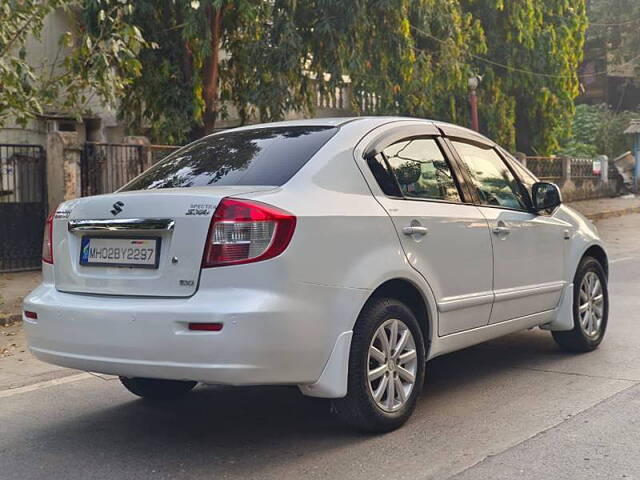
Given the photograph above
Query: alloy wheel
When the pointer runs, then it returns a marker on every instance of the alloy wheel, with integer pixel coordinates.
(591, 304)
(392, 365)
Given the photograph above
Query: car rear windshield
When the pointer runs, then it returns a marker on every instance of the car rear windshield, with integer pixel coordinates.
(261, 156)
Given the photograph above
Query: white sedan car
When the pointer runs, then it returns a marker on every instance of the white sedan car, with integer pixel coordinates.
(338, 255)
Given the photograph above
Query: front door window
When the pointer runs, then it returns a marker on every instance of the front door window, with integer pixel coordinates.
(490, 176)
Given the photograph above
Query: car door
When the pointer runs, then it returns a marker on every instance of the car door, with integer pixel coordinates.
(528, 248)
(444, 238)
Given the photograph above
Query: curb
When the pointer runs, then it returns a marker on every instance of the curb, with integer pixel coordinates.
(613, 213)
(7, 319)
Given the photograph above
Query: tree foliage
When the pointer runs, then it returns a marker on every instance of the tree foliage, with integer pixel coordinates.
(279, 55)
(205, 63)
(598, 129)
(613, 37)
(406, 57)
(202, 60)
(96, 58)
(528, 102)
(17, 79)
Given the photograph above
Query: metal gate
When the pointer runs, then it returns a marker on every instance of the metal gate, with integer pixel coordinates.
(23, 206)
(105, 167)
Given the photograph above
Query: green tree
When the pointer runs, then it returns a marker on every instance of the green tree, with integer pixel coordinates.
(406, 57)
(17, 95)
(598, 129)
(99, 57)
(413, 57)
(530, 69)
(273, 57)
(202, 49)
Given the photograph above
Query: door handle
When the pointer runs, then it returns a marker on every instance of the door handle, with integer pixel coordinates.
(415, 230)
(501, 230)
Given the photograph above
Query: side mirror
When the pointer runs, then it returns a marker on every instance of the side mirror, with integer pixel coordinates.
(546, 196)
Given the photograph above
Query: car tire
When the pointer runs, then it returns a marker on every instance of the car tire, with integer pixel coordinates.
(157, 389)
(590, 309)
(364, 407)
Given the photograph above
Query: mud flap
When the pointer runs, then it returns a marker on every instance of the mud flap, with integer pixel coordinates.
(564, 318)
(333, 380)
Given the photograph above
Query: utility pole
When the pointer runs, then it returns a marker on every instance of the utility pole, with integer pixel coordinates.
(473, 101)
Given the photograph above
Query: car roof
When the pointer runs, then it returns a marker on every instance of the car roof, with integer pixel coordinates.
(308, 122)
(449, 129)
(374, 121)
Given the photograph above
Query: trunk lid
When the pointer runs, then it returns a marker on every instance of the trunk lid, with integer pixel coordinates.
(171, 224)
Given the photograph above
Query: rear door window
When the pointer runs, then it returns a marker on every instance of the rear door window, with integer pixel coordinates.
(383, 176)
(261, 156)
(421, 170)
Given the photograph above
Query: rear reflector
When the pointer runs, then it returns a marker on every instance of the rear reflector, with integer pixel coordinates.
(32, 315)
(47, 240)
(246, 231)
(205, 327)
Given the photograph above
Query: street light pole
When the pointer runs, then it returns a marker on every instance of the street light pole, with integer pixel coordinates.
(473, 101)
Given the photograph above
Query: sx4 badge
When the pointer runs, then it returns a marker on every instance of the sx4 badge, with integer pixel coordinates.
(199, 209)
(186, 283)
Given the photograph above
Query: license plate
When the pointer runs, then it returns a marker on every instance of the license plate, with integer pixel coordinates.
(120, 252)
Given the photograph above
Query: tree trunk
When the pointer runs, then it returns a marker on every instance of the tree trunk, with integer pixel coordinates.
(211, 70)
(524, 140)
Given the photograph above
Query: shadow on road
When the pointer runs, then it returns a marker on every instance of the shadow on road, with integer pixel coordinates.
(240, 431)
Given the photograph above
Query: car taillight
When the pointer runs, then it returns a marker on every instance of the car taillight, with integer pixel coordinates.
(47, 240)
(245, 231)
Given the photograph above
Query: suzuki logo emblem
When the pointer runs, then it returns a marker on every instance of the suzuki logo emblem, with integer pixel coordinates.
(117, 208)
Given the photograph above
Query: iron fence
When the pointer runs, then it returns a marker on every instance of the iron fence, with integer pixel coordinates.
(105, 167)
(545, 168)
(23, 206)
(582, 168)
(158, 152)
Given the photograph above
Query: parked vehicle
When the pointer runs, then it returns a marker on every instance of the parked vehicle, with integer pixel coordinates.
(338, 255)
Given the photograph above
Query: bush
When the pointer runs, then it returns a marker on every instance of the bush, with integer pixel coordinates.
(597, 129)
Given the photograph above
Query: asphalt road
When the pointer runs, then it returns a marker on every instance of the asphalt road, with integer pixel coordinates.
(515, 407)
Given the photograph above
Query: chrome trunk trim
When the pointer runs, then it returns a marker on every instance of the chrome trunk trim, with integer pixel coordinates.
(124, 224)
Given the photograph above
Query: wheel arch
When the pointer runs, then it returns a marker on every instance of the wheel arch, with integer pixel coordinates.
(597, 252)
(564, 317)
(333, 380)
(410, 294)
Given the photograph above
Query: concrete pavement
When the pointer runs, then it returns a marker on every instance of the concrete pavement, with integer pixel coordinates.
(601, 442)
(601, 208)
(17, 366)
(512, 407)
(13, 288)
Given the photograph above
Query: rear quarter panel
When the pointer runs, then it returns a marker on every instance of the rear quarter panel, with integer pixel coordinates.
(343, 237)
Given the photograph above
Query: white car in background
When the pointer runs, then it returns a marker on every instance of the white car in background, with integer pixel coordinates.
(338, 255)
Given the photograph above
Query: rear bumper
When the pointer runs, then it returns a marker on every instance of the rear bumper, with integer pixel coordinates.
(267, 337)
